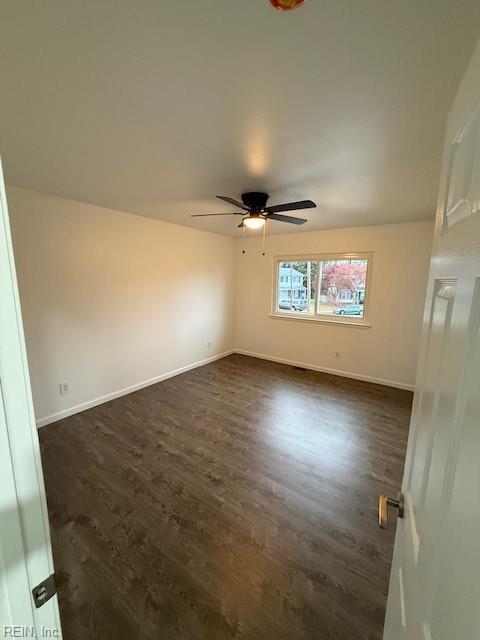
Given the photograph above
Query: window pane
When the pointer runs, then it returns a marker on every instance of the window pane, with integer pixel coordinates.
(342, 287)
(297, 282)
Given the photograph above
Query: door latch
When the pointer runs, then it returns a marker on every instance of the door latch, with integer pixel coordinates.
(44, 591)
(383, 503)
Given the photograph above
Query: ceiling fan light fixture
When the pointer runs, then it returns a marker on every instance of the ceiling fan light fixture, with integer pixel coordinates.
(286, 5)
(254, 222)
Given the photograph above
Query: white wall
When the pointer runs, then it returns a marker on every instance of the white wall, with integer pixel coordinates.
(387, 351)
(111, 300)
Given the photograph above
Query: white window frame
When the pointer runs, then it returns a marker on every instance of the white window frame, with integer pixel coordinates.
(321, 317)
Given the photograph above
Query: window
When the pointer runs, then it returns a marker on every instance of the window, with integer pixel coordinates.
(296, 288)
(326, 286)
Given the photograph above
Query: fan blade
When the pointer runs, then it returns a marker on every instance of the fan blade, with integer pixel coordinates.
(236, 203)
(291, 206)
(290, 219)
(203, 215)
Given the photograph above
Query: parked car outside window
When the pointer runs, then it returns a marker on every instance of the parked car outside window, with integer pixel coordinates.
(296, 305)
(349, 310)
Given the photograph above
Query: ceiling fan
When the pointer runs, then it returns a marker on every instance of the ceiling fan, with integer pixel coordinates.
(255, 210)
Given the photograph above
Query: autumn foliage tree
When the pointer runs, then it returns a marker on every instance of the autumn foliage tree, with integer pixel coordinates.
(342, 275)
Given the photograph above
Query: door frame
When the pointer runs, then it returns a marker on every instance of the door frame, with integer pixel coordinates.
(25, 552)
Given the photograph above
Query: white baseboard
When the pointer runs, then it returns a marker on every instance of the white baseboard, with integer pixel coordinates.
(335, 372)
(41, 422)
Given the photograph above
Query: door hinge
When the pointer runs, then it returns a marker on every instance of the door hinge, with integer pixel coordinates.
(44, 591)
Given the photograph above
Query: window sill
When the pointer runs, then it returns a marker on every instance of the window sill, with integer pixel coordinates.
(358, 324)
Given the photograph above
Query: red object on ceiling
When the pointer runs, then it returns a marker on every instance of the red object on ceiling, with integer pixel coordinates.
(286, 5)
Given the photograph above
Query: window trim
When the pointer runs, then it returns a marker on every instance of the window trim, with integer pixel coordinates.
(353, 321)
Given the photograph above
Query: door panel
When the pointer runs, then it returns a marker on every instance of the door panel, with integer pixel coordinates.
(456, 580)
(434, 587)
(463, 182)
(431, 389)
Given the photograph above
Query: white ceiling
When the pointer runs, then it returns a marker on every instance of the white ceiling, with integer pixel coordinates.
(154, 107)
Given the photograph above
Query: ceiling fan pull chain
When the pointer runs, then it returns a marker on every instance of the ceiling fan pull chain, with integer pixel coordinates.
(243, 238)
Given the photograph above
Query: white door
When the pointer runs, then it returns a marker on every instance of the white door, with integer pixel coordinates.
(25, 552)
(434, 589)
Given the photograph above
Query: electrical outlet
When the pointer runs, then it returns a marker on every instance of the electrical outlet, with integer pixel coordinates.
(64, 388)
(209, 345)
(338, 355)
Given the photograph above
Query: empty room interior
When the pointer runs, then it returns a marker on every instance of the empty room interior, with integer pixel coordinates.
(241, 250)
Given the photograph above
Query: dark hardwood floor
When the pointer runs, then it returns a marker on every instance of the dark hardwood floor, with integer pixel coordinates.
(234, 501)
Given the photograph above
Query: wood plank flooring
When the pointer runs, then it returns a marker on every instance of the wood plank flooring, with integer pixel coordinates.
(234, 501)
